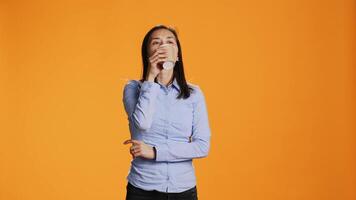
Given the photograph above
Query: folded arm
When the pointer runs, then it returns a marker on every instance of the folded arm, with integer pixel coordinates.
(174, 151)
(140, 103)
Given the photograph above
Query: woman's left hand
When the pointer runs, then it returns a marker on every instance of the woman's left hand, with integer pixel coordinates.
(139, 148)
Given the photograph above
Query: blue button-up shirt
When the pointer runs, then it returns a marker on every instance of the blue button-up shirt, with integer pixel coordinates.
(177, 128)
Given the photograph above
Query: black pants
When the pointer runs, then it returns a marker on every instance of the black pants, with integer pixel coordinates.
(134, 193)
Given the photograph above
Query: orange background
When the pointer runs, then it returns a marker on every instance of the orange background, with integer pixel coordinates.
(278, 76)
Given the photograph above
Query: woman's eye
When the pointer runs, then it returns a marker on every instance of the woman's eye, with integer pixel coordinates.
(154, 43)
(170, 42)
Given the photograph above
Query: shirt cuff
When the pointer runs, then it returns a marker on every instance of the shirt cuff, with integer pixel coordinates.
(161, 152)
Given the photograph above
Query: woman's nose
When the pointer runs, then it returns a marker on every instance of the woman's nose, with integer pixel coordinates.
(162, 43)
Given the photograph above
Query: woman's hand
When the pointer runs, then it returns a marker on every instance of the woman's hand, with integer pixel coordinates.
(139, 148)
(154, 68)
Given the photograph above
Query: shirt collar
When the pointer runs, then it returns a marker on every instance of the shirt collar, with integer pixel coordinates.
(174, 83)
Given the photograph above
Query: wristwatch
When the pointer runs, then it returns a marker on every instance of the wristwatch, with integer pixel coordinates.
(155, 153)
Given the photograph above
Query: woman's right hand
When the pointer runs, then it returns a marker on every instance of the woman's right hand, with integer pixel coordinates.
(155, 63)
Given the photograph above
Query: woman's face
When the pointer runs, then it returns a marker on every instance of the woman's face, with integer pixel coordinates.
(160, 37)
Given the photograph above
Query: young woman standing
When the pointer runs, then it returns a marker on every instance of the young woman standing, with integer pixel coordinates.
(168, 122)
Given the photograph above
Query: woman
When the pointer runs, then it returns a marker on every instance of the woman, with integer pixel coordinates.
(168, 122)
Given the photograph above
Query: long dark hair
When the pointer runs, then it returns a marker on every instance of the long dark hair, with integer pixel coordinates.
(178, 70)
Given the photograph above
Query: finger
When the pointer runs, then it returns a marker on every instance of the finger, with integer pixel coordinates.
(127, 141)
(135, 150)
(132, 148)
(132, 141)
(160, 60)
(132, 155)
(137, 154)
(155, 59)
(158, 56)
(136, 141)
(158, 51)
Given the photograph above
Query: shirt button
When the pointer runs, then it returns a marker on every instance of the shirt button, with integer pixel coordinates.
(167, 177)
